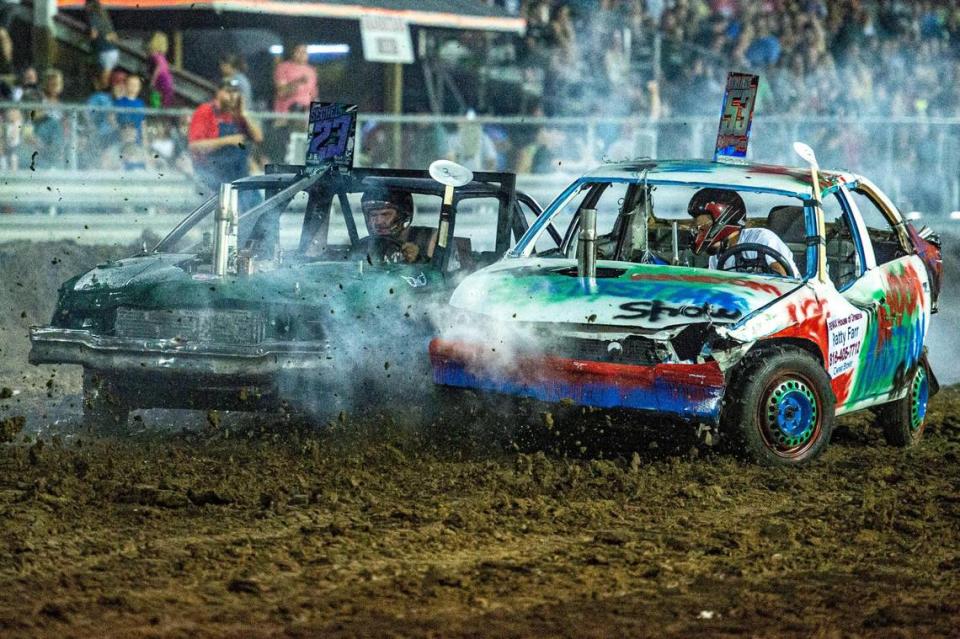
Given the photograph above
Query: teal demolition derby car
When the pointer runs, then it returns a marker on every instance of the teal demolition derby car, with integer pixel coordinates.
(816, 302)
(288, 316)
(284, 303)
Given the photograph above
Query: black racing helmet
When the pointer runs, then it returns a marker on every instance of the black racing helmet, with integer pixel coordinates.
(381, 198)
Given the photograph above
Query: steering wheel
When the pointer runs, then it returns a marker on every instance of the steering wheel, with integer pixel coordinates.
(757, 264)
(381, 249)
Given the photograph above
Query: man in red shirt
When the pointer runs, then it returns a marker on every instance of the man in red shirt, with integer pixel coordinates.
(219, 136)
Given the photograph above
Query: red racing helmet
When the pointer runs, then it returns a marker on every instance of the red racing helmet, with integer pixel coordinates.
(727, 210)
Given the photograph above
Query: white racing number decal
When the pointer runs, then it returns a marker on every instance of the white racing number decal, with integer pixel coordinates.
(845, 335)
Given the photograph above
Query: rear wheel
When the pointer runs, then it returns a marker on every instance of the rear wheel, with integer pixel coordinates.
(105, 410)
(904, 420)
(780, 407)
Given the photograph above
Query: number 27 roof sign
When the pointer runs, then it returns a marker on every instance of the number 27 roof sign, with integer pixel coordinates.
(737, 115)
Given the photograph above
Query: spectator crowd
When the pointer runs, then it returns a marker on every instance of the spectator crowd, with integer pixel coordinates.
(817, 57)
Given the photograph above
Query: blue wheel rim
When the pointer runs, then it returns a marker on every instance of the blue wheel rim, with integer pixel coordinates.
(790, 416)
(919, 394)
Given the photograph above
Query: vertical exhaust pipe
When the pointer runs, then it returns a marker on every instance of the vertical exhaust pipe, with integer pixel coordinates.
(587, 249)
(675, 241)
(233, 227)
(223, 220)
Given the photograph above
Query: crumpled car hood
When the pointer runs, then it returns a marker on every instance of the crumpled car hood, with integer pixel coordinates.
(120, 273)
(161, 281)
(634, 296)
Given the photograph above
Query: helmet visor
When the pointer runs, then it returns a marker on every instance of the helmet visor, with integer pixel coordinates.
(369, 206)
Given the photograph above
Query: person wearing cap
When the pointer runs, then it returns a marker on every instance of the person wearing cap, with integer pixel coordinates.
(219, 136)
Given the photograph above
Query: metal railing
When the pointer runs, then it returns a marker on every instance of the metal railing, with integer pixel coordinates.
(915, 160)
(189, 86)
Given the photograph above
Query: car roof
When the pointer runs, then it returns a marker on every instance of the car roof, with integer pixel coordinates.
(429, 186)
(793, 181)
(484, 185)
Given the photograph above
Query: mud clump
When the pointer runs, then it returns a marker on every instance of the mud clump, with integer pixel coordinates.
(10, 427)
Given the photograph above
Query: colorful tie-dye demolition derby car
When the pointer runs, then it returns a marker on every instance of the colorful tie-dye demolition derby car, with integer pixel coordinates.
(732, 295)
(284, 302)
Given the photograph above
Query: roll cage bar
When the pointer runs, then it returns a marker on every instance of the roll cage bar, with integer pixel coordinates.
(282, 182)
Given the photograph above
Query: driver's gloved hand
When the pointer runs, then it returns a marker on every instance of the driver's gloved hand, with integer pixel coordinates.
(410, 252)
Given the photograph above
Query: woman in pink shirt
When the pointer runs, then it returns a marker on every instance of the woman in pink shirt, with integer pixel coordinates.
(295, 82)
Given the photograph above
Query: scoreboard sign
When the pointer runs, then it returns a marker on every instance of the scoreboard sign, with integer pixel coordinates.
(386, 39)
(331, 135)
(737, 115)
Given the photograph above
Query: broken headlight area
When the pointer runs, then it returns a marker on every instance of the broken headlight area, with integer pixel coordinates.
(703, 342)
(692, 344)
(631, 349)
(294, 324)
(199, 325)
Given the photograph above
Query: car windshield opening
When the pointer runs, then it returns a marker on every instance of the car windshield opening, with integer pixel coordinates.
(699, 226)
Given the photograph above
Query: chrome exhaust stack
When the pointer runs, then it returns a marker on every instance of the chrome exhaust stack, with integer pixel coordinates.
(675, 241)
(587, 249)
(226, 219)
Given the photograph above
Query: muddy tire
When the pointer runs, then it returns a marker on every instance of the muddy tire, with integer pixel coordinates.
(105, 410)
(904, 420)
(780, 408)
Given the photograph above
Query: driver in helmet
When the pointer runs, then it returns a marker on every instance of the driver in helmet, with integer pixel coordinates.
(720, 218)
(388, 214)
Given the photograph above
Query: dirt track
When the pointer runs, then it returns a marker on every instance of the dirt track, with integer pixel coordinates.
(230, 528)
(217, 525)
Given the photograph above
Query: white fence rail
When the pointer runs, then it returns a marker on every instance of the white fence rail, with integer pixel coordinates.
(916, 160)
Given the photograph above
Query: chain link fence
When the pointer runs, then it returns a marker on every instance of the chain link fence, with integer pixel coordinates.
(135, 152)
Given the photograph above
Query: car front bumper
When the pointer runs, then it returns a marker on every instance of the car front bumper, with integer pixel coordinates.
(136, 355)
(692, 392)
